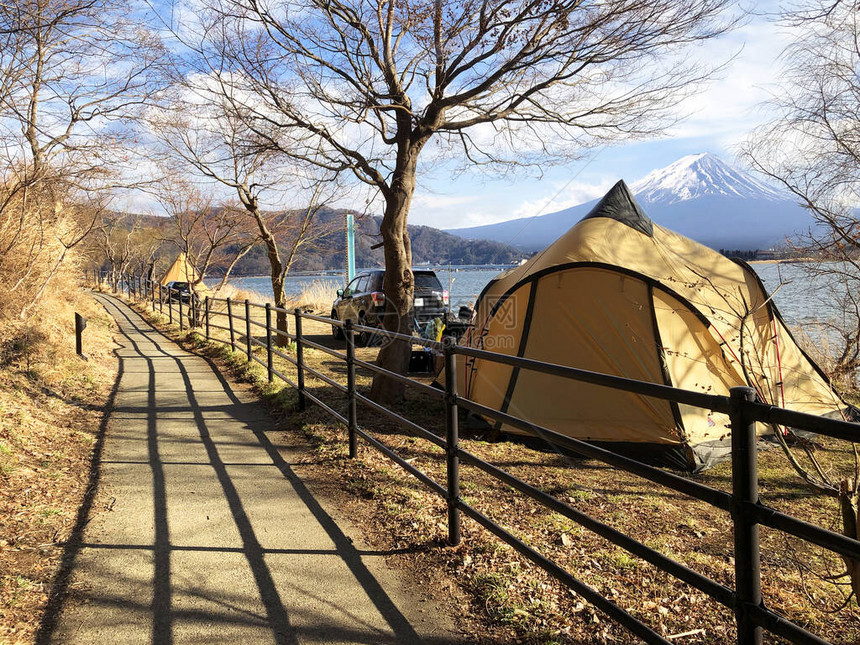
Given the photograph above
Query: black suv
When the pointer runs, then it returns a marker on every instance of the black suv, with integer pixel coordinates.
(363, 301)
(177, 291)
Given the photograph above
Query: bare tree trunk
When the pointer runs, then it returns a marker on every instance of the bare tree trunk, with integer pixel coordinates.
(399, 282)
(850, 506)
(276, 266)
(280, 300)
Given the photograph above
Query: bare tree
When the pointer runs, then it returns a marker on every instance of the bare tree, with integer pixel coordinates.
(73, 72)
(147, 245)
(217, 145)
(114, 245)
(208, 233)
(365, 85)
(812, 148)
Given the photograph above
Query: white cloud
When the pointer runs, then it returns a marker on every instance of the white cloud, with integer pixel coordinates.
(734, 103)
(562, 197)
(426, 201)
(496, 202)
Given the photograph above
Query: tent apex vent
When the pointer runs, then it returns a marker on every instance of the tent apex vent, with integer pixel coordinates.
(620, 205)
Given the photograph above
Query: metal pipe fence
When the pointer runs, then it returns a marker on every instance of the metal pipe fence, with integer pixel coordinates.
(746, 511)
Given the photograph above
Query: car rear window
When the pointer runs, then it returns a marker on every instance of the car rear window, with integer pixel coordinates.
(427, 281)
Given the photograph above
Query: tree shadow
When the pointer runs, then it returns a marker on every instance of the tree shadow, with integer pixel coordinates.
(269, 589)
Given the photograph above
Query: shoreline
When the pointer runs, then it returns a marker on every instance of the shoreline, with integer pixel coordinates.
(785, 261)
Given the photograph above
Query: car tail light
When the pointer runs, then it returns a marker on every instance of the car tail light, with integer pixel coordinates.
(378, 298)
(445, 297)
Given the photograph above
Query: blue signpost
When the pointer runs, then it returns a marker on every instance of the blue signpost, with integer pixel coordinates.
(350, 247)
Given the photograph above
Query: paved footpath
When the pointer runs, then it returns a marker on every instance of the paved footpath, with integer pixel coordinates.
(202, 533)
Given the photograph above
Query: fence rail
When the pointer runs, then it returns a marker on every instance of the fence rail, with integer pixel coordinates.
(743, 504)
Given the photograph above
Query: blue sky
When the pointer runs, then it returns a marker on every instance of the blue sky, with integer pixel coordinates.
(717, 119)
(720, 117)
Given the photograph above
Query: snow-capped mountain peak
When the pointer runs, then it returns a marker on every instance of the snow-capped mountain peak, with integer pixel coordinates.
(697, 176)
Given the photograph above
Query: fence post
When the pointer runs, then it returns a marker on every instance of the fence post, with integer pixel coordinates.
(179, 297)
(745, 492)
(206, 315)
(452, 445)
(160, 299)
(269, 341)
(230, 324)
(170, 305)
(248, 347)
(300, 359)
(352, 413)
(80, 326)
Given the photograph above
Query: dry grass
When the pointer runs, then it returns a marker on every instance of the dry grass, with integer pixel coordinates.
(50, 408)
(503, 598)
(316, 296)
(234, 293)
(823, 347)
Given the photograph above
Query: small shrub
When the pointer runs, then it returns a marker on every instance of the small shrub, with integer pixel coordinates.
(23, 343)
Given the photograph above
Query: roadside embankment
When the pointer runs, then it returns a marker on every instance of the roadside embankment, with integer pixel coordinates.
(51, 407)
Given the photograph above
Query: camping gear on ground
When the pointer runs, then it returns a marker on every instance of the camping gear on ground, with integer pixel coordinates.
(432, 330)
(421, 361)
(620, 295)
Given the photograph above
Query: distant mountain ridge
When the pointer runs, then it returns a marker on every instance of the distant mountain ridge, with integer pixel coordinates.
(429, 246)
(700, 196)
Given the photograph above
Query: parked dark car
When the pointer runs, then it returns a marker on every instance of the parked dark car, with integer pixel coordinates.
(363, 301)
(178, 290)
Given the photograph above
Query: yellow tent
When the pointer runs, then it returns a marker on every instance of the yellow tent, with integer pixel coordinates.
(183, 271)
(621, 295)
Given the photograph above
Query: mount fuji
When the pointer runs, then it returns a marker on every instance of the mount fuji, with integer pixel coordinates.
(699, 196)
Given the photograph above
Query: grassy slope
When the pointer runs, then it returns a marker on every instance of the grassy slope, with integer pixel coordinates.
(50, 409)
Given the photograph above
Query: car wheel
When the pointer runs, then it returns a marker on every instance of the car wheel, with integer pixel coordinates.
(336, 332)
(369, 338)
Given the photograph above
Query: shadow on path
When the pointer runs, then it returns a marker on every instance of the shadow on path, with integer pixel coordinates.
(186, 446)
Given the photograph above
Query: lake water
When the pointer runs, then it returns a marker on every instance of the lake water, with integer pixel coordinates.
(800, 300)
(464, 284)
